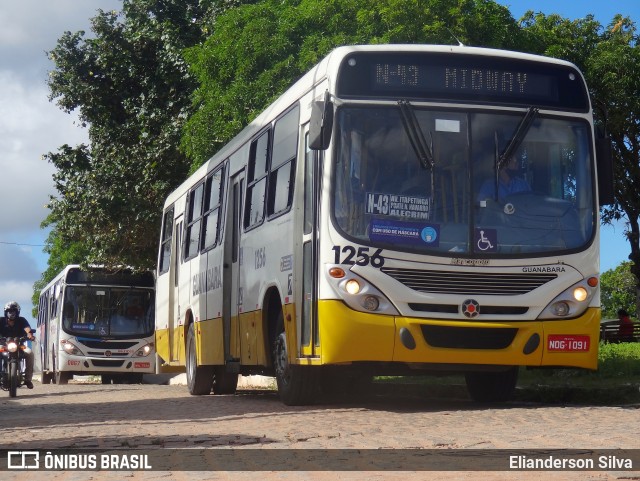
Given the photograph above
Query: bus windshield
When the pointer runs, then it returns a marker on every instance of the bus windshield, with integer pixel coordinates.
(469, 198)
(108, 311)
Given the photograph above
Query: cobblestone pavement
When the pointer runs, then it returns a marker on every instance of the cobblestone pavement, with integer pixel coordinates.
(101, 417)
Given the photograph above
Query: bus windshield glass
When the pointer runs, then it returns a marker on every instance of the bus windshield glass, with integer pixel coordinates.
(469, 198)
(116, 312)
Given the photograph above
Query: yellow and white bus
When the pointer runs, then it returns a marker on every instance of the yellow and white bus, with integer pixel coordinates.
(96, 322)
(400, 209)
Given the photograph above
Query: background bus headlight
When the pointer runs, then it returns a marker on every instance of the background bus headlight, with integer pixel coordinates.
(573, 301)
(70, 348)
(144, 350)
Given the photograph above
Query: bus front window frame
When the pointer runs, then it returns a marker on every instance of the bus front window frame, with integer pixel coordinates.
(444, 216)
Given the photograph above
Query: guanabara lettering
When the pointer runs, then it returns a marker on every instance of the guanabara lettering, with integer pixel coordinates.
(544, 269)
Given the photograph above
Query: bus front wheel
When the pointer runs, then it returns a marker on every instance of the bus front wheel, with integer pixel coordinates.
(297, 385)
(492, 386)
(224, 382)
(62, 377)
(199, 378)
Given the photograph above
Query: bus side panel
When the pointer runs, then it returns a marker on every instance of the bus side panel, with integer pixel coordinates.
(249, 343)
(162, 344)
(209, 342)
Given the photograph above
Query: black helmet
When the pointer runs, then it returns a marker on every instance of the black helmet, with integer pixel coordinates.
(11, 310)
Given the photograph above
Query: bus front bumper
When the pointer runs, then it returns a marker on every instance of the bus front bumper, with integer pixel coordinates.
(351, 336)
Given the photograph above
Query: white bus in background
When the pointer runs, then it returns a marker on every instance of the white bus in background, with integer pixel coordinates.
(357, 227)
(96, 322)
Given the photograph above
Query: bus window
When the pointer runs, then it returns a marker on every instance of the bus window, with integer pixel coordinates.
(165, 248)
(194, 217)
(256, 186)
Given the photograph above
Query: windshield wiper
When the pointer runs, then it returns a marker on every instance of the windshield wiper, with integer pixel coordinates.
(415, 134)
(516, 140)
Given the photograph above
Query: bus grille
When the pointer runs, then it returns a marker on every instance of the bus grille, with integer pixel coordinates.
(107, 363)
(467, 283)
(468, 337)
(107, 344)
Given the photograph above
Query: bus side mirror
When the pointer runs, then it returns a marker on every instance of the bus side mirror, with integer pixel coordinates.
(604, 161)
(321, 124)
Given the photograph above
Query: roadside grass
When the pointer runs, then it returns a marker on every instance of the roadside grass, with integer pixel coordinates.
(616, 382)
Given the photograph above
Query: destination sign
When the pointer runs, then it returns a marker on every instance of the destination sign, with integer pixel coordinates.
(464, 78)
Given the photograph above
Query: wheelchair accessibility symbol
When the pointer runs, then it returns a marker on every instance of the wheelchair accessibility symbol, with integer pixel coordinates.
(486, 240)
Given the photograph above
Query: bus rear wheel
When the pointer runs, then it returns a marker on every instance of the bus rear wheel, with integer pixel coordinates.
(199, 378)
(492, 386)
(297, 385)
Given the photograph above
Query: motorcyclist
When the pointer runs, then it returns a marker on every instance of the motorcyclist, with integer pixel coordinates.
(13, 325)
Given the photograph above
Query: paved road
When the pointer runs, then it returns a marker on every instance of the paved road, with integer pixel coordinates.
(101, 417)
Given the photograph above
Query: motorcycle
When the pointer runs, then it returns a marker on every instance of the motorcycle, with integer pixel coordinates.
(12, 363)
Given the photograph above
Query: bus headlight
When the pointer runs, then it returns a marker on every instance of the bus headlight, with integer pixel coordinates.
(144, 350)
(371, 303)
(580, 294)
(560, 309)
(352, 286)
(357, 293)
(573, 301)
(70, 348)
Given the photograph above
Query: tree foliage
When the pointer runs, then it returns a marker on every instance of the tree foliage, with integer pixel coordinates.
(256, 51)
(130, 85)
(610, 60)
(618, 291)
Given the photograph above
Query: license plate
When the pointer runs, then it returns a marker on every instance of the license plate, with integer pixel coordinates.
(141, 365)
(564, 343)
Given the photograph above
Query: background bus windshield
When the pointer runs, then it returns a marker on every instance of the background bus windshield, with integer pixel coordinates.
(108, 311)
(461, 200)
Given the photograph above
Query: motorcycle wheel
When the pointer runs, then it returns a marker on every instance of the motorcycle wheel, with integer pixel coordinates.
(13, 379)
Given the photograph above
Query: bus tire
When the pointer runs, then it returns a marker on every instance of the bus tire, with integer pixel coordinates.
(489, 387)
(199, 378)
(224, 382)
(63, 377)
(134, 378)
(105, 379)
(340, 382)
(47, 377)
(297, 385)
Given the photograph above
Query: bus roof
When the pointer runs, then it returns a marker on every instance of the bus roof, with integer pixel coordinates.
(144, 279)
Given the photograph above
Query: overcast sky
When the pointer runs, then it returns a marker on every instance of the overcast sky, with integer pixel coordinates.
(31, 126)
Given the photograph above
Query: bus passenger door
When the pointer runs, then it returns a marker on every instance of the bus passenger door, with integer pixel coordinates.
(231, 276)
(174, 298)
(306, 291)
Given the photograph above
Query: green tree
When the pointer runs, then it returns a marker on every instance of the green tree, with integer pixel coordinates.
(610, 59)
(256, 51)
(128, 85)
(618, 291)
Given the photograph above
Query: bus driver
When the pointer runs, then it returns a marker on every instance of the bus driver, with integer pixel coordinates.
(509, 182)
